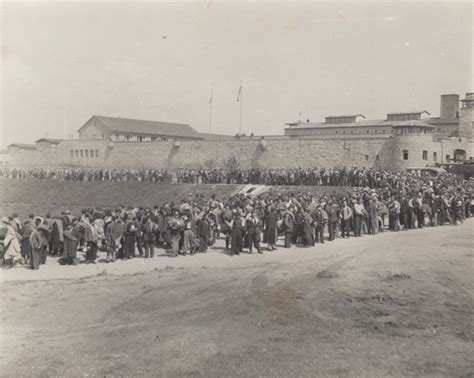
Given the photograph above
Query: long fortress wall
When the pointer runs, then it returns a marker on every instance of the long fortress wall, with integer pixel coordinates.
(273, 153)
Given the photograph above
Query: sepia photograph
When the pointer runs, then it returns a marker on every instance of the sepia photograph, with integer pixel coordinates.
(236, 188)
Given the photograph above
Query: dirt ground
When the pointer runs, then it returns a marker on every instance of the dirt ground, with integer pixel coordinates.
(395, 304)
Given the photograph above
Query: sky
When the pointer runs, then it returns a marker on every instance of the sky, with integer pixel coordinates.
(62, 62)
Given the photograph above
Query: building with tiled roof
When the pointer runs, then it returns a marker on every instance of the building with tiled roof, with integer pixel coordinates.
(126, 129)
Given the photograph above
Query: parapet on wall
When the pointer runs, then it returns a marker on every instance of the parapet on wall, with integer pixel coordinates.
(273, 153)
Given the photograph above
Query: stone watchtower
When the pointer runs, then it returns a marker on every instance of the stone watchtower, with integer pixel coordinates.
(466, 116)
(410, 141)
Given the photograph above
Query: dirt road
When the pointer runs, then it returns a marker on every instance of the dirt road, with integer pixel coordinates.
(395, 304)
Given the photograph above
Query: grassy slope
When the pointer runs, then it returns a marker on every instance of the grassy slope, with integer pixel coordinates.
(39, 197)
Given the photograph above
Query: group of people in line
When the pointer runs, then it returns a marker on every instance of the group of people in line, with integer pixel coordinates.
(343, 176)
(196, 223)
(87, 174)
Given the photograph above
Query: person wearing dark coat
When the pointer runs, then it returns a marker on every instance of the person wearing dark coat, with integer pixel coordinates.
(138, 234)
(236, 235)
(204, 234)
(71, 242)
(308, 229)
(271, 228)
(332, 211)
(38, 241)
(289, 227)
(253, 232)
(129, 240)
(25, 250)
(148, 236)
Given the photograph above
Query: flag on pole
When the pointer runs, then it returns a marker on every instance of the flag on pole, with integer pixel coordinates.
(240, 93)
(212, 93)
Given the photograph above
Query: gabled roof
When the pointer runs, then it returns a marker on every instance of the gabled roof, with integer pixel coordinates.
(346, 116)
(414, 123)
(365, 123)
(24, 146)
(410, 112)
(440, 121)
(49, 140)
(469, 97)
(137, 126)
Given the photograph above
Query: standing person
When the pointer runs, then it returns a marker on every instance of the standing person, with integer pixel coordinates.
(188, 236)
(204, 233)
(226, 225)
(404, 211)
(308, 229)
(346, 219)
(271, 228)
(148, 232)
(129, 239)
(321, 218)
(71, 242)
(11, 243)
(289, 227)
(372, 217)
(57, 237)
(395, 214)
(174, 227)
(358, 216)
(38, 241)
(236, 234)
(26, 231)
(139, 234)
(331, 210)
(253, 231)
(113, 234)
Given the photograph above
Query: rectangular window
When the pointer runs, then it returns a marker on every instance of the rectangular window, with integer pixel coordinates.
(405, 155)
(96, 153)
(424, 155)
(82, 153)
(127, 137)
(435, 157)
(91, 153)
(72, 153)
(366, 157)
(153, 138)
(140, 138)
(76, 152)
(376, 157)
(86, 152)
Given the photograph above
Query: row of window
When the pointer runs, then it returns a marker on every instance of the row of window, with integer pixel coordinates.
(424, 155)
(84, 153)
(138, 138)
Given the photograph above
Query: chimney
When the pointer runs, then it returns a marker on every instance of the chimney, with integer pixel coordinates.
(449, 106)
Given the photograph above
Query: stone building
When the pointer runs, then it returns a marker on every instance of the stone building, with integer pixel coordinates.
(124, 129)
(446, 125)
(402, 140)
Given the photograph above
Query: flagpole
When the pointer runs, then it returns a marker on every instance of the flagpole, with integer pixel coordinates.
(210, 112)
(240, 100)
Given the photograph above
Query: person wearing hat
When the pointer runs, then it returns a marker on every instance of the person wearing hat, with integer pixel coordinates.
(254, 232)
(175, 225)
(71, 242)
(271, 231)
(38, 241)
(26, 231)
(237, 234)
(148, 232)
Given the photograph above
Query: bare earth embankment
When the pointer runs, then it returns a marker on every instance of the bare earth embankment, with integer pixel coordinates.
(396, 304)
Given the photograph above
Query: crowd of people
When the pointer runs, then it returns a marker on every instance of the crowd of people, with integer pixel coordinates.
(353, 176)
(406, 202)
(87, 174)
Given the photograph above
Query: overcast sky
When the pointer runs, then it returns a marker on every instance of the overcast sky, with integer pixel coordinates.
(64, 62)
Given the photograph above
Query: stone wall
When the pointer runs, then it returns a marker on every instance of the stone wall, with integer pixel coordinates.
(384, 152)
